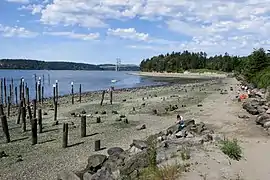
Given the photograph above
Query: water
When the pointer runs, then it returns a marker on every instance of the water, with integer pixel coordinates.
(90, 80)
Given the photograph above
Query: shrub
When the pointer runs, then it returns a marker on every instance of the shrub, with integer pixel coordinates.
(232, 149)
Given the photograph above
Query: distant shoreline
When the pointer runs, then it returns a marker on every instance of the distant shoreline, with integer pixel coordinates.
(205, 75)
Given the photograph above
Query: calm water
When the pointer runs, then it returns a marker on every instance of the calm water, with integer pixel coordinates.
(90, 80)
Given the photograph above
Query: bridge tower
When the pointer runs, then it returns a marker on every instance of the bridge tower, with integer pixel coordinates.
(118, 63)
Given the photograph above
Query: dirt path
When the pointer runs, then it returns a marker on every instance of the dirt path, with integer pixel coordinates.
(221, 113)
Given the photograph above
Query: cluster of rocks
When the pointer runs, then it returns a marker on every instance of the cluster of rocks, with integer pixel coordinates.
(257, 105)
(128, 164)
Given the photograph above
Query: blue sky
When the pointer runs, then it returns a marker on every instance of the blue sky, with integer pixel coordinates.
(95, 31)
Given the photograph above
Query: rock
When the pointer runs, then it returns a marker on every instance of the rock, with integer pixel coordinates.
(199, 105)
(103, 112)
(3, 154)
(114, 112)
(189, 122)
(67, 175)
(134, 150)
(45, 113)
(72, 114)
(83, 112)
(266, 124)
(114, 151)
(189, 135)
(207, 138)
(102, 174)
(134, 164)
(261, 119)
(122, 116)
(124, 100)
(154, 111)
(140, 127)
(268, 111)
(140, 144)
(200, 127)
(87, 176)
(96, 112)
(95, 162)
(143, 104)
(180, 134)
(118, 119)
(253, 106)
(243, 116)
(218, 137)
(172, 129)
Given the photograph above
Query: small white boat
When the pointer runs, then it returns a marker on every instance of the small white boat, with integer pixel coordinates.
(113, 80)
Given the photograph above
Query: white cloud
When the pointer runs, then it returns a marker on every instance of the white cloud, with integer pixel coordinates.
(18, 1)
(129, 33)
(214, 26)
(16, 31)
(33, 8)
(90, 36)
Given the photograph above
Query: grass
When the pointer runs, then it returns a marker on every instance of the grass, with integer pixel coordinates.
(205, 70)
(185, 154)
(232, 149)
(166, 172)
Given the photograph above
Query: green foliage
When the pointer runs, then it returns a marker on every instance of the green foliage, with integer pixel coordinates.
(232, 149)
(167, 172)
(254, 67)
(185, 154)
(152, 152)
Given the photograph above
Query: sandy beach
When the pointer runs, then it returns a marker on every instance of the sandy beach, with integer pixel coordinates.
(46, 159)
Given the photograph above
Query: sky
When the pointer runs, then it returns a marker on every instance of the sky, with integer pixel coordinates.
(93, 31)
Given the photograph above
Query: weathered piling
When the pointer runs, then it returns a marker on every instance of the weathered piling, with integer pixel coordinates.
(102, 98)
(5, 91)
(23, 110)
(16, 95)
(83, 126)
(8, 106)
(39, 91)
(54, 93)
(10, 93)
(35, 108)
(29, 112)
(56, 89)
(40, 120)
(36, 89)
(72, 93)
(5, 127)
(80, 93)
(2, 110)
(1, 89)
(97, 145)
(34, 131)
(55, 112)
(27, 95)
(111, 95)
(19, 112)
(42, 94)
(65, 135)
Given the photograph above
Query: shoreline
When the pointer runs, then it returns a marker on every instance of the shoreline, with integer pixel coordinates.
(206, 75)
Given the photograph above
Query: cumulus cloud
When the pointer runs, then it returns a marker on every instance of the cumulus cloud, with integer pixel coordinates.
(34, 8)
(86, 37)
(129, 33)
(16, 31)
(214, 26)
(18, 1)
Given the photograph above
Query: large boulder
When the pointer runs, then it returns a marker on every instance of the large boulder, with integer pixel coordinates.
(140, 144)
(115, 151)
(95, 162)
(261, 119)
(134, 164)
(102, 174)
(253, 106)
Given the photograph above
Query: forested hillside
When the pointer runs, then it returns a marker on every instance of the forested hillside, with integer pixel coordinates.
(254, 67)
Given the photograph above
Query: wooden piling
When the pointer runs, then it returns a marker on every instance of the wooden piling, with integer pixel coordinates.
(40, 120)
(54, 93)
(42, 94)
(23, 110)
(2, 110)
(35, 108)
(19, 112)
(39, 92)
(8, 106)
(29, 112)
(1, 89)
(83, 126)
(5, 127)
(72, 93)
(111, 95)
(56, 90)
(34, 131)
(65, 135)
(5, 91)
(80, 93)
(55, 112)
(36, 89)
(16, 95)
(27, 96)
(97, 145)
(20, 92)
(10, 93)
(102, 98)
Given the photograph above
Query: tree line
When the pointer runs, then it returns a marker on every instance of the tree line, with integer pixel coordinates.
(28, 64)
(255, 67)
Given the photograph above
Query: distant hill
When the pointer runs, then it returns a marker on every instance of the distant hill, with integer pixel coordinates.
(28, 64)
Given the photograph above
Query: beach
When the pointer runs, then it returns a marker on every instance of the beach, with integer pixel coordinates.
(151, 106)
(46, 159)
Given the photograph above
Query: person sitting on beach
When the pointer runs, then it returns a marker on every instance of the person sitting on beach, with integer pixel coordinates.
(180, 121)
